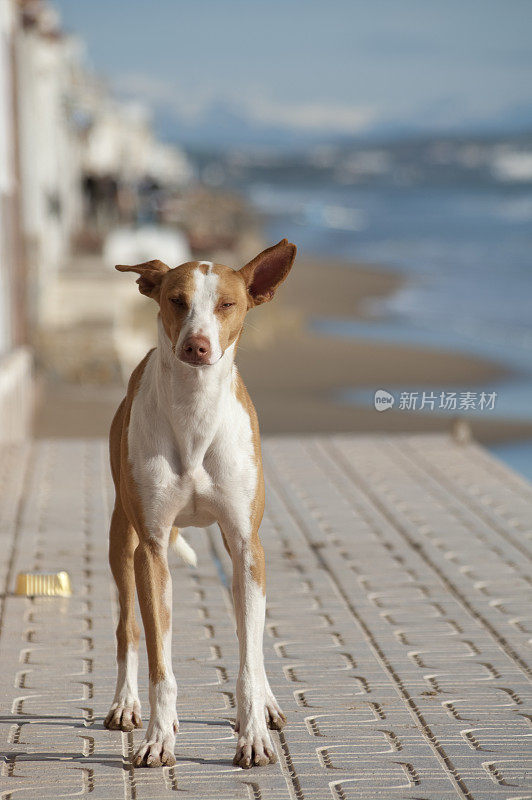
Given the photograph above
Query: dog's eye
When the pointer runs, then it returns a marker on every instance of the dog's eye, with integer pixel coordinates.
(227, 305)
(178, 301)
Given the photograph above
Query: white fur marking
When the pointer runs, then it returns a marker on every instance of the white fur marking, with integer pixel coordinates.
(126, 704)
(182, 548)
(127, 691)
(201, 319)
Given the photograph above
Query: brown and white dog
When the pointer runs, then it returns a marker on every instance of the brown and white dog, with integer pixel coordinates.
(185, 451)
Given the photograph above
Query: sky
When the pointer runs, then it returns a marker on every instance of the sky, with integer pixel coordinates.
(329, 68)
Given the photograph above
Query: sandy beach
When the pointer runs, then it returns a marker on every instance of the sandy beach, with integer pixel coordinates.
(294, 377)
(293, 373)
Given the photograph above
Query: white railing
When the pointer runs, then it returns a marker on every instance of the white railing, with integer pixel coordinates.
(16, 395)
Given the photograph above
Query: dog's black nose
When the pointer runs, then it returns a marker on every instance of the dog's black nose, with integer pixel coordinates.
(196, 350)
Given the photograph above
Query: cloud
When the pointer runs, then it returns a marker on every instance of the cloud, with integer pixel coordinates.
(323, 117)
(255, 108)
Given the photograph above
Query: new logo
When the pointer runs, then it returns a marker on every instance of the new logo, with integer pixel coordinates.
(383, 400)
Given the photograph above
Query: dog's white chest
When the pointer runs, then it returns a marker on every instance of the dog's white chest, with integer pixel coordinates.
(192, 497)
(194, 466)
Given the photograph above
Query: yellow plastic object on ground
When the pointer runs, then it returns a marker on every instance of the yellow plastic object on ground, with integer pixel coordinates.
(47, 584)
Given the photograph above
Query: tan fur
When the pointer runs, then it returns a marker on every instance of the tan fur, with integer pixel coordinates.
(174, 533)
(180, 284)
(130, 540)
(258, 569)
(122, 544)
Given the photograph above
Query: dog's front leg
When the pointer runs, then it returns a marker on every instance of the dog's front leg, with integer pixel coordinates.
(254, 743)
(154, 589)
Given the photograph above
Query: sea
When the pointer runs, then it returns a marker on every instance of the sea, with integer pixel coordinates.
(452, 216)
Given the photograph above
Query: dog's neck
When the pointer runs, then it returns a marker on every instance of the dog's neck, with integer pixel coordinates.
(192, 398)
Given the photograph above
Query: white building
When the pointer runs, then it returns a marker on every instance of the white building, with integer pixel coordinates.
(15, 360)
(120, 142)
(70, 128)
(47, 66)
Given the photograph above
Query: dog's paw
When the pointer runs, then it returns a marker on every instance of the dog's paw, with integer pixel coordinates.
(254, 748)
(157, 749)
(124, 716)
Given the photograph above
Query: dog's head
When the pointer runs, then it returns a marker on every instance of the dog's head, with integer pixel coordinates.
(203, 305)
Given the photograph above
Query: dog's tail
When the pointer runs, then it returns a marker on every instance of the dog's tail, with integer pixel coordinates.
(182, 548)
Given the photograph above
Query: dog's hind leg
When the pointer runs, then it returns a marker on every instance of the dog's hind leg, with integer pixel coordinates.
(124, 713)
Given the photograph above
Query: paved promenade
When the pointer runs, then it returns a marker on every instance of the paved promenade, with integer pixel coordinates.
(398, 630)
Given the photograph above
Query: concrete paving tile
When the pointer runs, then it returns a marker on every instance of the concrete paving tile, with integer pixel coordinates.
(397, 633)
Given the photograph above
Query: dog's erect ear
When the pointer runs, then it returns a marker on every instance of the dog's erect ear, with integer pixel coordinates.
(263, 275)
(151, 274)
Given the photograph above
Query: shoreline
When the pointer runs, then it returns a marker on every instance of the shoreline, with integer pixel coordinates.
(294, 373)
